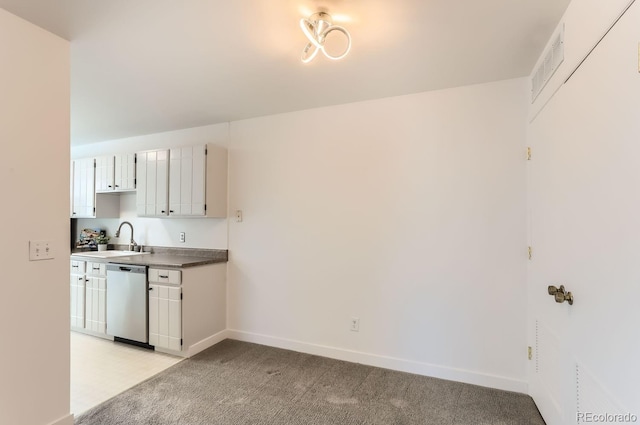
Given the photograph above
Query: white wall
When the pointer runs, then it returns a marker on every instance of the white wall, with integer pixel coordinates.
(34, 306)
(407, 212)
(209, 233)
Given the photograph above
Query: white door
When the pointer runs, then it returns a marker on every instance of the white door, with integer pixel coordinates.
(83, 188)
(165, 316)
(153, 179)
(125, 172)
(187, 181)
(585, 232)
(104, 174)
(77, 300)
(141, 189)
(96, 304)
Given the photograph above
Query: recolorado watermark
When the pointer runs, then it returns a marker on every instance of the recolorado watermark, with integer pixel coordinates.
(606, 418)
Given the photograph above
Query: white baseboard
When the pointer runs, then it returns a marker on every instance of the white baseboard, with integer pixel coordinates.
(410, 366)
(66, 420)
(206, 343)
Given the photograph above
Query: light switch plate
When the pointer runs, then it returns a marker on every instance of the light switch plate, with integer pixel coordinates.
(40, 250)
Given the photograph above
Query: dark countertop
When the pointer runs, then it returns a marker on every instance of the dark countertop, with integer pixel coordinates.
(164, 257)
(165, 260)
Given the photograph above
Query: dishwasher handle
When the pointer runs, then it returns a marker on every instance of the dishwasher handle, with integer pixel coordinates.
(126, 268)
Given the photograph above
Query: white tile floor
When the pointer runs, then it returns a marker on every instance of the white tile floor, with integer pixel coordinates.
(101, 369)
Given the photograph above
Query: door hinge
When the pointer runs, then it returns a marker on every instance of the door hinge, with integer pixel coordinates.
(529, 153)
(530, 252)
(180, 342)
(206, 150)
(94, 210)
(135, 158)
(205, 207)
(181, 295)
(529, 353)
(135, 182)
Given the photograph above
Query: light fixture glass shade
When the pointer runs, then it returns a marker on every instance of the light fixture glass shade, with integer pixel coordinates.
(316, 28)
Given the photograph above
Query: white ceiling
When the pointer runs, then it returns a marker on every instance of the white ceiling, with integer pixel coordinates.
(147, 66)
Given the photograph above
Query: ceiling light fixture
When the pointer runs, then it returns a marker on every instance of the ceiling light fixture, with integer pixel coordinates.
(316, 28)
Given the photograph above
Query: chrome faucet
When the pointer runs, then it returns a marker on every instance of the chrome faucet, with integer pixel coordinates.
(132, 243)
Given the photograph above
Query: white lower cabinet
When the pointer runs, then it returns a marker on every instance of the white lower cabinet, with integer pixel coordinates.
(96, 297)
(77, 281)
(165, 309)
(165, 316)
(187, 306)
(88, 296)
(96, 304)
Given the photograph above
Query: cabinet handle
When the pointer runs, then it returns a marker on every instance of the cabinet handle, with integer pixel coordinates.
(109, 186)
(117, 186)
(75, 267)
(163, 211)
(95, 268)
(163, 276)
(150, 289)
(171, 211)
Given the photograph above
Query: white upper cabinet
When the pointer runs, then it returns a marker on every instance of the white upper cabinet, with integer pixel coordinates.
(83, 199)
(153, 183)
(183, 182)
(187, 174)
(116, 173)
(104, 174)
(124, 172)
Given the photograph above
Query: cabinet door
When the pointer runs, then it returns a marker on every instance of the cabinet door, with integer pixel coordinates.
(77, 300)
(125, 172)
(83, 188)
(187, 181)
(153, 173)
(104, 174)
(96, 304)
(165, 316)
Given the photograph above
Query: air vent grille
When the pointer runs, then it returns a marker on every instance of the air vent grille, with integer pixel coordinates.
(553, 57)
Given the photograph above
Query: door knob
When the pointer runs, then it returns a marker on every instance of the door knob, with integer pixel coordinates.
(560, 294)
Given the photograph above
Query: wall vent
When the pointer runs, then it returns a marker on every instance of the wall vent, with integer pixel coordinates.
(553, 57)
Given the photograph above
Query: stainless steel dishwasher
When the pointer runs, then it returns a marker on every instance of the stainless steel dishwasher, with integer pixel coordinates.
(127, 303)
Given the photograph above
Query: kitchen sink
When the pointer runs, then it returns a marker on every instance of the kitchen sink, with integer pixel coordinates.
(110, 254)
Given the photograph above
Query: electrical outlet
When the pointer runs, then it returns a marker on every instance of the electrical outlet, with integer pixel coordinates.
(40, 250)
(182, 237)
(355, 324)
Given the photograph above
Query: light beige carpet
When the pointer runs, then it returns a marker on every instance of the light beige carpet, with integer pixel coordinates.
(241, 383)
